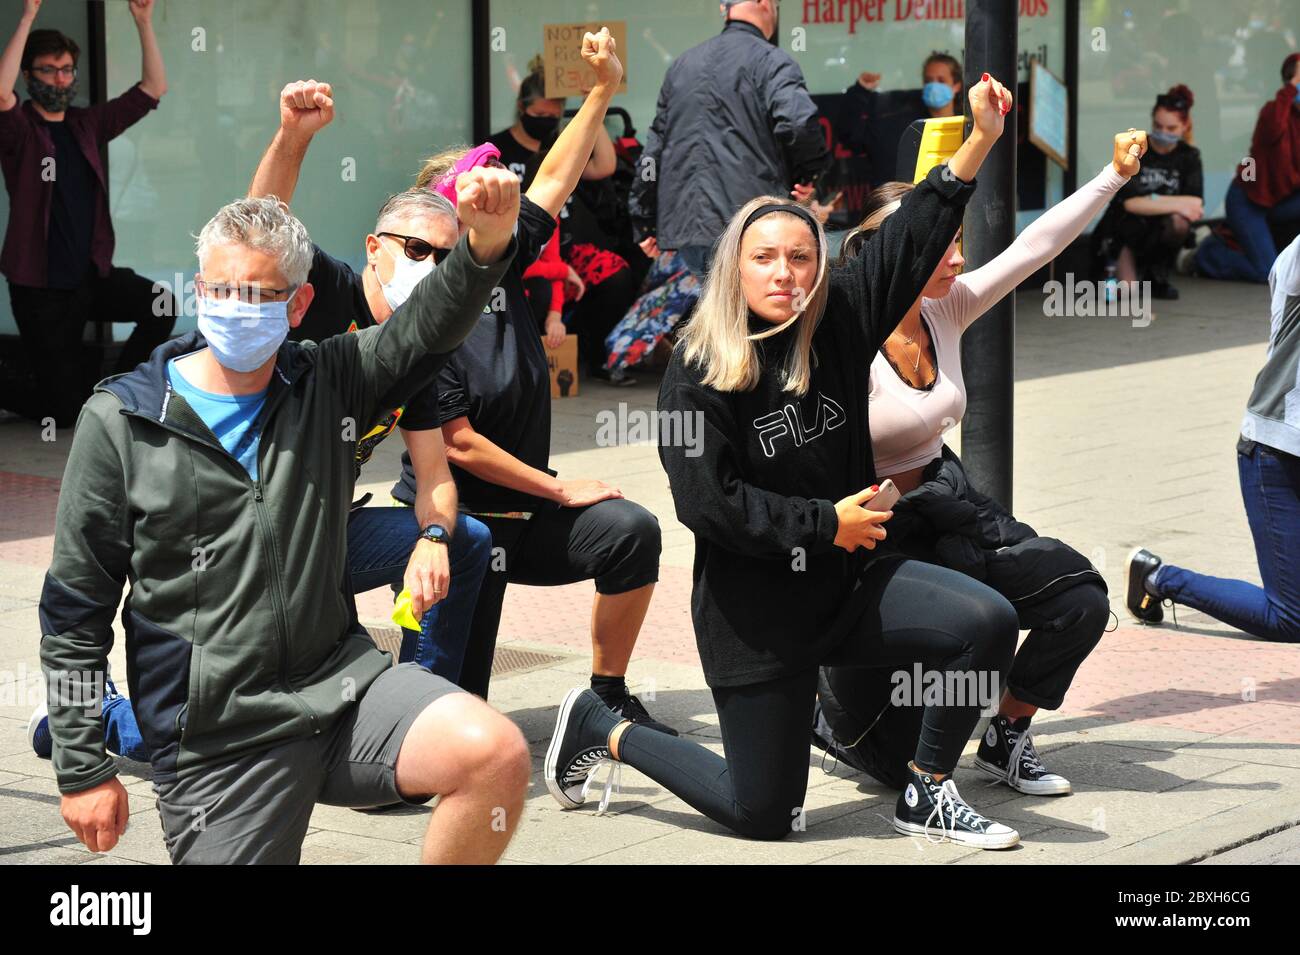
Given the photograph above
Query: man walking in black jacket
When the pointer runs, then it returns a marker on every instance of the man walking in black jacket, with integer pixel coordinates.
(734, 121)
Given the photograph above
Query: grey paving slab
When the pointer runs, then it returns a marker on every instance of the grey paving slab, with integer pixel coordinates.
(1283, 848)
(324, 847)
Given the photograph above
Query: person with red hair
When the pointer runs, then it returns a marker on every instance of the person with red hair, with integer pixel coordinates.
(1150, 219)
(1265, 192)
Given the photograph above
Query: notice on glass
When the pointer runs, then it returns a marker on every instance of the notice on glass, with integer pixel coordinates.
(1049, 113)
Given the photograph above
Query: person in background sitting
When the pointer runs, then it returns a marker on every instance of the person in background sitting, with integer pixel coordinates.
(1150, 219)
(1265, 191)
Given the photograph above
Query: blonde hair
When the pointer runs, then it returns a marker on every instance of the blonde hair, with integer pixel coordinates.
(438, 165)
(717, 338)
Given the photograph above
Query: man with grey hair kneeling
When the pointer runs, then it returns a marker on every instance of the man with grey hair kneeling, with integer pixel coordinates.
(205, 477)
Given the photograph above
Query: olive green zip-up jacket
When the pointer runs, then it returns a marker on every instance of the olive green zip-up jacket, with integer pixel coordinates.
(241, 630)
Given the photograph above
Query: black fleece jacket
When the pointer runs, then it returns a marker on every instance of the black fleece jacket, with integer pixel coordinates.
(759, 483)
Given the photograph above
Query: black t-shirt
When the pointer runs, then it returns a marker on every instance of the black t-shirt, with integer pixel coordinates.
(340, 307)
(1176, 173)
(514, 156)
(500, 380)
(72, 212)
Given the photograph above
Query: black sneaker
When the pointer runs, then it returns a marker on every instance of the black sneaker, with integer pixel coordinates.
(579, 745)
(618, 377)
(1142, 604)
(927, 807)
(1007, 754)
(630, 708)
(1163, 290)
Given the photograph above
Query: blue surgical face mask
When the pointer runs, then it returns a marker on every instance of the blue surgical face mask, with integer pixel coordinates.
(1164, 139)
(936, 95)
(243, 335)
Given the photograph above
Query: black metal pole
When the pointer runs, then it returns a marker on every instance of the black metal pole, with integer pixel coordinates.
(1072, 13)
(97, 55)
(988, 348)
(480, 69)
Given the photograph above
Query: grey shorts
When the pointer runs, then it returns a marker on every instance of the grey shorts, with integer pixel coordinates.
(256, 809)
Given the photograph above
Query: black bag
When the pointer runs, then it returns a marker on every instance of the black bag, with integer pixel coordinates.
(855, 722)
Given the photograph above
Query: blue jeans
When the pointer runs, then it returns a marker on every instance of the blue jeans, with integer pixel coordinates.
(121, 732)
(1249, 224)
(1270, 486)
(380, 541)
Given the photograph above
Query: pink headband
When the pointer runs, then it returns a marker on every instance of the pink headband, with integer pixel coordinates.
(478, 156)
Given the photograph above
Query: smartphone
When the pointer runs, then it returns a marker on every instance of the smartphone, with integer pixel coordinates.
(885, 498)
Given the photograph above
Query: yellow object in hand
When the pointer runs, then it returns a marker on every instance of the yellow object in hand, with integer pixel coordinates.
(402, 615)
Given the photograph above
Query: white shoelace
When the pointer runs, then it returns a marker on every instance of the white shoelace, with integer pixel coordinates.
(613, 782)
(958, 809)
(1023, 751)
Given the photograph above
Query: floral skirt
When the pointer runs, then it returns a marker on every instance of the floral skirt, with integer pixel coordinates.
(671, 291)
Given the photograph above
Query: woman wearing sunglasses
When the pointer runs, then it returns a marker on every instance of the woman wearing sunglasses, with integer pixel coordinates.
(496, 421)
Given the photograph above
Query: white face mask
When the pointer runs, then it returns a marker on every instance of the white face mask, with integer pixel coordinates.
(406, 276)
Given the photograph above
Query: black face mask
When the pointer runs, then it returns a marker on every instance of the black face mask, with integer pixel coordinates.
(51, 98)
(539, 127)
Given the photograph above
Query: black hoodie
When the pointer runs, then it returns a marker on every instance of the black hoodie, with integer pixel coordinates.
(760, 494)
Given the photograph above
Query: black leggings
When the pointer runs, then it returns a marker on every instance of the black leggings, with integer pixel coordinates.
(52, 322)
(615, 542)
(598, 311)
(916, 613)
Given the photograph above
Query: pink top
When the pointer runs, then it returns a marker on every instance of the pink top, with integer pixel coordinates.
(907, 424)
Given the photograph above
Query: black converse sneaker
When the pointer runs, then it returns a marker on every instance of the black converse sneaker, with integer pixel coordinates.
(1142, 604)
(630, 708)
(580, 744)
(927, 807)
(1007, 753)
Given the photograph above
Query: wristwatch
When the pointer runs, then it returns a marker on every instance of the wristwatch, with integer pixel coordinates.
(436, 533)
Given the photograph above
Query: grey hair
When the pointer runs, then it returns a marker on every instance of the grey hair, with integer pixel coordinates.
(263, 223)
(414, 203)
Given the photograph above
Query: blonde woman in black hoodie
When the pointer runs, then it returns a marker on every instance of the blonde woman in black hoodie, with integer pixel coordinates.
(777, 491)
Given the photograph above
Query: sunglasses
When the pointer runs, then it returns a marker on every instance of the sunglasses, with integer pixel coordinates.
(417, 250)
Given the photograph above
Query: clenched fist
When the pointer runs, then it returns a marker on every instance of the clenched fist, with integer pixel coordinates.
(306, 107)
(598, 50)
(487, 201)
(990, 102)
(1130, 146)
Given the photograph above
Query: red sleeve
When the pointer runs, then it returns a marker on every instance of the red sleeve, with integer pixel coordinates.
(15, 127)
(115, 117)
(549, 265)
(1274, 118)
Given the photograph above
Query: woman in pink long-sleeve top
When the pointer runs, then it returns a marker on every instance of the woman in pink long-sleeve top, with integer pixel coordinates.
(916, 394)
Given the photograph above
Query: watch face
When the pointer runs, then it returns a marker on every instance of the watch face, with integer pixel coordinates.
(434, 533)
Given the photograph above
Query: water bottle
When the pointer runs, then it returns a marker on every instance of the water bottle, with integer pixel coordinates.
(1112, 283)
